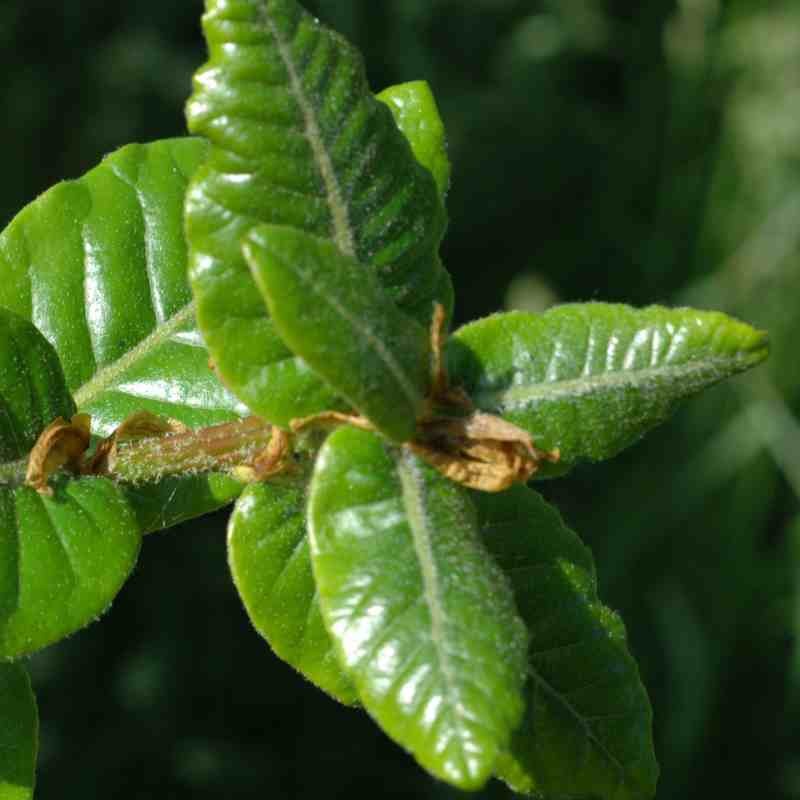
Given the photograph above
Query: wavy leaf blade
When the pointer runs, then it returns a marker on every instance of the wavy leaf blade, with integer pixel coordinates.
(64, 559)
(423, 621)
(588, 726)
(591, 379)
(339, 320)
(98, 264)
(297, 140)
(269, 557)
(19, 733)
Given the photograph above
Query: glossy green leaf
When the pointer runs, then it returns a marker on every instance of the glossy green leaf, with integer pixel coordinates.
(269, 557)
(19, 734)
(423, 620)
(338, 318)
(297, 140)
(591, 379)
(99, 265)
(587, 729)
(414, 109)
(62, 559)
(417, 115)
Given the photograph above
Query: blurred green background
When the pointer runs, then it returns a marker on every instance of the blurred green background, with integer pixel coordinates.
(602, 149)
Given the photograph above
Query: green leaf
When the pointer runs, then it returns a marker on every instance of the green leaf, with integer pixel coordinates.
(99, 266)
(591, 379)
(587, 731)
(414, 109)
(33, 391)
(297, 140)
(423, 620)
(62, 559)
(269, 557)
(19, 734)
(176, 499)
(338, 318)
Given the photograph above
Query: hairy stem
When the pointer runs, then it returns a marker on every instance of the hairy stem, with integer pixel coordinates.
(215, 449)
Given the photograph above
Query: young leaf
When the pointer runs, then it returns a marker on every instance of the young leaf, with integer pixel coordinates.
(99, 266)
(591, 379)
(338, 318)
(414, 109)
(297, 140)
(587, 729)
(270, 562)
(19, 734)
(423, 620)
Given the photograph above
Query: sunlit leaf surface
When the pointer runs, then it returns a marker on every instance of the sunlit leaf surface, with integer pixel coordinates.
(269, 557)
(99, 266)
(298, 140)
(423, 620)
(591, 379)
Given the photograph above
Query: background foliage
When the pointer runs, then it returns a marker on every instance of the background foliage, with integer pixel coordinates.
(607, 150)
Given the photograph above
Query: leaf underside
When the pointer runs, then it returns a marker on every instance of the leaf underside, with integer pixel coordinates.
(592, 378)
(99, 266)
(19, 733)
(423, 620)
(269, 557)
(297, 140)
(587, 731)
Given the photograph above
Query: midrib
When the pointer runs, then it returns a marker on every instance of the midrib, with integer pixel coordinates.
(342, 231)
(108, 374)
(557, 697)
(414, 502)
(521, 396)
(404, 383)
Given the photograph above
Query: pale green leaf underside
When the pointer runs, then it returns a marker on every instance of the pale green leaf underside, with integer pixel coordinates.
(99, 266)
(423, 620)
(590, 379)
(19, 733)
(62, 559)
(269, 557)
(339, 319)
(587, 731)
(297, 140)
